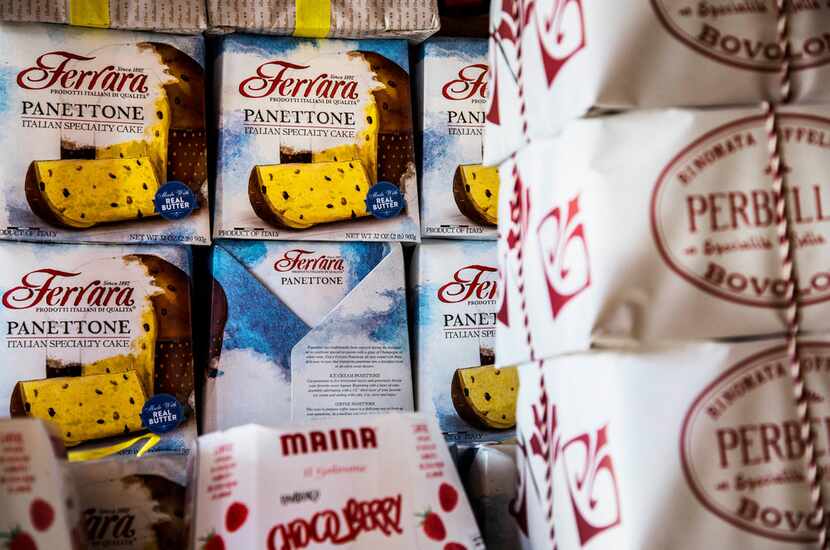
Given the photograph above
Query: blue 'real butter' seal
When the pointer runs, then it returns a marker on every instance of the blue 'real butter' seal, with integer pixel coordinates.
(174, 200)
(162, 413)
(384, 200)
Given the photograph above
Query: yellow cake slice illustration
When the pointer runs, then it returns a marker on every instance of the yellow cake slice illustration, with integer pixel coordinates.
(476, 191)
(83, 407)
(485, 397)
(84, 193)
(298, 196)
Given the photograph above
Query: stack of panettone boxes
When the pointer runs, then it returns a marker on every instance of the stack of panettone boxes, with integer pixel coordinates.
(104, 185)
(663, 244)
(314, 188)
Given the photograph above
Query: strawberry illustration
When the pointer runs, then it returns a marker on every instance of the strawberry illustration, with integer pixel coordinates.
(235, 516)
(448, 497)
(454, 546)
(42, 514)
(19, 540)
(213, 542)
(433, 526)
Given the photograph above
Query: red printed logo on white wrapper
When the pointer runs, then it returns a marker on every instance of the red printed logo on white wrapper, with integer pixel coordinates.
(747, 38)
(592, 483)
(587, 469)
(714, 219)
(503, 42)
(564, 253)
(512, 246)
(559, 34)
(741, 447)
(560, 27)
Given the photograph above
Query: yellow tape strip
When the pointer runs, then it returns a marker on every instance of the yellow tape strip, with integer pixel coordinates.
(312, 18)
(94, 454)
(89, 13)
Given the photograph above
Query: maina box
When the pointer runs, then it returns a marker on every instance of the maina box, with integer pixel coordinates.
(372, 482)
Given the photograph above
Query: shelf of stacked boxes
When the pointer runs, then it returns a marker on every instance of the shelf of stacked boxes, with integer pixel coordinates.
(662, 233)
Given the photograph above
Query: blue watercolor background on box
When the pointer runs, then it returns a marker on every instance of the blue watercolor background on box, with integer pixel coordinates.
(257, 319)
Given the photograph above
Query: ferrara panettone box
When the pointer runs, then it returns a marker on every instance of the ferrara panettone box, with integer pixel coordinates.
(108, 134)
(96, 340)
(359, 483)
(315, 141)
(306, 330)
(459, 196)
(455, 287)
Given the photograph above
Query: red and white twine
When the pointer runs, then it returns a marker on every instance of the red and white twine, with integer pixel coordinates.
(520, 83)
(786, 238)
(517, 16)
(520, 271)
(548, 439)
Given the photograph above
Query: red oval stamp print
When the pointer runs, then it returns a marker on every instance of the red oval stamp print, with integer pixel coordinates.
(742, 33)
(741, 447)
(714, 219)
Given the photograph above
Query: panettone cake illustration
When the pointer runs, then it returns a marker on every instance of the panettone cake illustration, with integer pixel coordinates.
(329, 184)
(485, 397)
(102, 396)
(476, 192)
(105, 178)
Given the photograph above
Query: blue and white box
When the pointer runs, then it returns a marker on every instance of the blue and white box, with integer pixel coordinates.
(454, 287)
(316, 140)
(452, 87)
(306, 331)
